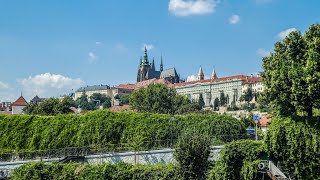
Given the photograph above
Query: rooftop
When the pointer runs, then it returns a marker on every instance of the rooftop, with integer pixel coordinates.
(93, 88)
(247, 79)
(20, 102)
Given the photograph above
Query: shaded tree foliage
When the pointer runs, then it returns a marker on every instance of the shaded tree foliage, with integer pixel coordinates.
(157, 98)
(291, 74)
(192, 153)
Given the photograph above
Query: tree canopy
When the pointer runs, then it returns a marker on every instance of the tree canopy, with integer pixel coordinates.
(291, 74)
(157, 98)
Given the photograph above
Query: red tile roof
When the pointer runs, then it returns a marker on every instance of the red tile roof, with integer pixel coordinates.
(247, 79)
(120, 108)
(265, 120)
(153, 81)
(20, 102)
(126, 86)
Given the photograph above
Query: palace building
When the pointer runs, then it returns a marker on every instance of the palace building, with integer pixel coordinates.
(147, 71)
(232, 87)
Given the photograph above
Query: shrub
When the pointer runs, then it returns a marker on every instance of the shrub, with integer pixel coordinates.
(103, 129)
(296, 142)
(234, 158)
(192, 152)
(74, 171)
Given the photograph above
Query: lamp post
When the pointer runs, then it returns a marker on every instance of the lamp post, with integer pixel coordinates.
(256, 120)
(97, 100)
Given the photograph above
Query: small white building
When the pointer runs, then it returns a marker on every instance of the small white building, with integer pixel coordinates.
(18, 105)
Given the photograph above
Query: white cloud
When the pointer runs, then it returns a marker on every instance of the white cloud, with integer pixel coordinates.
(148, 46)
(192, 78)
(234, 19)
(92, 57)
(285, 33)
(263, 52)
(4, 86)
(192, 7)
(48, 85)
(98, 43)
(6, 92)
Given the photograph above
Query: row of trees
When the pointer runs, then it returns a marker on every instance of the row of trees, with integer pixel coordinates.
(54, 106)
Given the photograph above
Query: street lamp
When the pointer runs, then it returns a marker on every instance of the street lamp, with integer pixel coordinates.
(98, 102)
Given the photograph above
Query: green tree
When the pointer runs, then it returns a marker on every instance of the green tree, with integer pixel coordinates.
(247, 96)
(201, 101)
(291, 74)
(83, 102)
(222, 99)
(192, 153)
(124, 99)
(216, 104)
(104, 100)
(63, 107)
(156, 98)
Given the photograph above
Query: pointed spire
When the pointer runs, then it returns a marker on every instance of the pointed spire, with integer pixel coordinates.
(152, 65)
(145, 57)
(214, 74)
(140, 60)
(200, 74)
(161, 65)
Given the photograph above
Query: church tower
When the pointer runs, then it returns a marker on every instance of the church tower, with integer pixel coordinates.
(200, 74)
(144, 66)
(214, 74)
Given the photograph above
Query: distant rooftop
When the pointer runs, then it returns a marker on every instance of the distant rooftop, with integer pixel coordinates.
(246, 79)
(93, 88)
(20, 102)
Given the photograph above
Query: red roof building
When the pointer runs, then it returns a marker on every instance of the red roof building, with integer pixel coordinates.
(20, 102)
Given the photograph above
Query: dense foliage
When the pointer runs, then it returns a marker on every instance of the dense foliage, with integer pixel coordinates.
(291, 74)
(158, 98)
(237, 160)
(192, 152)
(55, 106)
(102, 128)
(296, 142)
(74, 171)
(51, 106)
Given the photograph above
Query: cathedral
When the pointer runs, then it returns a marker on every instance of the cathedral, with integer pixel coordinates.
(148, 71)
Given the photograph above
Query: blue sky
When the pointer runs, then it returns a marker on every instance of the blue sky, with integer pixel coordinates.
(50, 47)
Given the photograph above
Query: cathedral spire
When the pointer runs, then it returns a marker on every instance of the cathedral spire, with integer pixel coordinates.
(214, 74)
(161, 65)
(140, 60)
(200, 74)
(145, 57)
(152, 65)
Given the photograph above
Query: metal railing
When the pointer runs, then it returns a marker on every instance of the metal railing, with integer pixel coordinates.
(107, 149)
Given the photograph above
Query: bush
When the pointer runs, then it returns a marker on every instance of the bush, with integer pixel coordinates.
(104, 129)
(73, 171)
(235, 160)
(296, 142)
(192, 152)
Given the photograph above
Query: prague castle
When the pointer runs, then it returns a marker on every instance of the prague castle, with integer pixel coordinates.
(147, 71)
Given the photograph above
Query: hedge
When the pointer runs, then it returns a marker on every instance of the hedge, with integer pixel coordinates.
(296, 142)
(75, 171)
(238, 160)
(105, 128)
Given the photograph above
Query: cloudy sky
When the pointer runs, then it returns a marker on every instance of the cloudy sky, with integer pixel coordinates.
(48, 48)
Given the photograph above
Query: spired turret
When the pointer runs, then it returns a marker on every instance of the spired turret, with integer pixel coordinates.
(145, 60)
(161, 65)
(200, 74)
(214, 74)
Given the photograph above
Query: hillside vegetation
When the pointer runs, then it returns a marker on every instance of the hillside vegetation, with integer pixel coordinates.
(104, 129)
